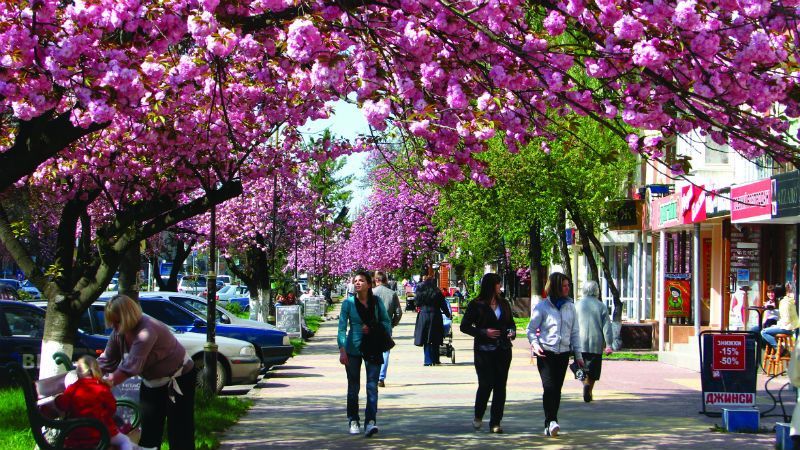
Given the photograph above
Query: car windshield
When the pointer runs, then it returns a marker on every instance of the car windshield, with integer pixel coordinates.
(13, 283)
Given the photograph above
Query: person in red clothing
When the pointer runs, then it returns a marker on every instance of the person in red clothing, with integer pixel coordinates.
(91, 397)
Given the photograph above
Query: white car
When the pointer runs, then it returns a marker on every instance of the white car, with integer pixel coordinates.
(231, 291)
(237, 361)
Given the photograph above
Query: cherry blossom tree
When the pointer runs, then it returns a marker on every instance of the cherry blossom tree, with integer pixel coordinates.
(394, 231)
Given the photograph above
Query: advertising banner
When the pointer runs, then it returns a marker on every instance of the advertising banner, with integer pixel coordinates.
(728, 369)
(665, 212)
(677, 295)
(752, 201)
(693, 204)
(786, 194)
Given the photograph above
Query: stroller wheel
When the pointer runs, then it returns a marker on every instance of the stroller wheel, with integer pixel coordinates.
(453, 356)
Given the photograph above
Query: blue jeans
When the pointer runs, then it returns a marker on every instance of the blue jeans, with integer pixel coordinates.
(769, 334)
(385, 365)
(431, 352)
(354, 386)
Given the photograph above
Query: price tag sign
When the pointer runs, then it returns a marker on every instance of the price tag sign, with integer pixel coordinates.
(729, 352)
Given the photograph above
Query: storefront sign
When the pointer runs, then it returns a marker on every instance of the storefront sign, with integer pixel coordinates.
(728, 369)
(728, 352)
(786, 194)
(677, 295)
(693, 204)
(665, 212)
(624, 215)
(752, 201)
(718, 203)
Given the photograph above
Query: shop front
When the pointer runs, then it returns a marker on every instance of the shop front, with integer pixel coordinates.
(763, 242)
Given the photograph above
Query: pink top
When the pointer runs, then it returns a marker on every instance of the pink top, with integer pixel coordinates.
(152, 352)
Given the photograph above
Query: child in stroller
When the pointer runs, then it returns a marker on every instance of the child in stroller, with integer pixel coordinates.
(447, 349)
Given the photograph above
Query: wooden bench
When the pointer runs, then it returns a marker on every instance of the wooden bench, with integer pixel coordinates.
(49, 430)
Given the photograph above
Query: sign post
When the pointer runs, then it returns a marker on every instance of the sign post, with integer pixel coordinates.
(287, 318)
(728, 369)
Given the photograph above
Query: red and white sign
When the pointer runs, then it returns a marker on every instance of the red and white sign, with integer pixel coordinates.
(752, 201)
(730, 398)
(729, 352)
(693, 204)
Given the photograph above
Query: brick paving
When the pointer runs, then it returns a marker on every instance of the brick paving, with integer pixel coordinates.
(637, 405)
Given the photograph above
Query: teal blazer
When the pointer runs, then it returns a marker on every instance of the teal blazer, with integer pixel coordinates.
(350, 340)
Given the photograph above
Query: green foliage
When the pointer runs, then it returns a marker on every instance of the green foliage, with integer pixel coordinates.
(234, 308)
(298, 345)
(586, 167)
(213, 415)
(20, 229)
(15, 433)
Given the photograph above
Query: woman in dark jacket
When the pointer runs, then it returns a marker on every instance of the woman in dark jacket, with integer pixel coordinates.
(488, 319)
(429, 329)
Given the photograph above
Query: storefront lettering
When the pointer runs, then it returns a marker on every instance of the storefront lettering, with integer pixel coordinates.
(669, 211)
(751, 199)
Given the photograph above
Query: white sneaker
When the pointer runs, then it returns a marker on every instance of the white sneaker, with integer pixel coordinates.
(553, 429)
(370, 429)
(355, 427)
(477, 424)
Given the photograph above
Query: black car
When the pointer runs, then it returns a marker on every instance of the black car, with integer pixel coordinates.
(21, 331)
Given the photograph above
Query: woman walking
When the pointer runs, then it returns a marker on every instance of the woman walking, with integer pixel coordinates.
(429, 328)
(488, 319)
(364, 313)
(554, 335)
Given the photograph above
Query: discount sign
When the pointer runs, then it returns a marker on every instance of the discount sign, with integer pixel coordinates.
(729, 352)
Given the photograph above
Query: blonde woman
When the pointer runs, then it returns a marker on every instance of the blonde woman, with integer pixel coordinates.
(140, 345)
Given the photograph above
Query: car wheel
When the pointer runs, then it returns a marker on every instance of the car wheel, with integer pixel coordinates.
(222, 373)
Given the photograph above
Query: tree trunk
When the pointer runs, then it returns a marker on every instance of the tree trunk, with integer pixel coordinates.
(182, 251)
(593, 274)
(129, 267)
(254, 273)
(563, 250)
(535, 254)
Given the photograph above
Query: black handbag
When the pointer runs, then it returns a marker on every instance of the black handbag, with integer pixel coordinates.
(377, 341)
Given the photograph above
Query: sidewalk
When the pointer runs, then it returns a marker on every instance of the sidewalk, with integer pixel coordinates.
(637, 405)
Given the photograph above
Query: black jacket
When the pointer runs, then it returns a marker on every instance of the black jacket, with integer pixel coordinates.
(429, 328)
(479, 317)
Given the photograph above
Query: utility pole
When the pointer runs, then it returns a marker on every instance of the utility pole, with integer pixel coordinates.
(210, 348)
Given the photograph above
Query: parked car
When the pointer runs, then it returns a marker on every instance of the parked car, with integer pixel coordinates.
(32, 290)
(192, 284)
(237, 362)
(232, 290)
(272, 345)
(226, 279)
(21, 331)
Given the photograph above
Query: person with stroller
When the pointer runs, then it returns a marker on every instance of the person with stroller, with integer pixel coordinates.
(90, 397)
(362, 314)
(488, 319)
(429, 328)
(554, 335)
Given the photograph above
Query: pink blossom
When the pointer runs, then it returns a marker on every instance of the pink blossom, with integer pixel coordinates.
(554, 23)
(628, 28)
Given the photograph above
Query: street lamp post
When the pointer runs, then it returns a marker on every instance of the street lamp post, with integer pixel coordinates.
(210, 348)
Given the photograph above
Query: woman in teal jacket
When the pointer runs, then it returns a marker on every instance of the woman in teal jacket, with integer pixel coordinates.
(363, 313)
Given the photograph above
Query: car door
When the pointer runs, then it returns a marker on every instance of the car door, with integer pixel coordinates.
(21, 329)
(171, 315)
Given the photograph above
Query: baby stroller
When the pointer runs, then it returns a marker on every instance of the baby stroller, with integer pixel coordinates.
(447, 349)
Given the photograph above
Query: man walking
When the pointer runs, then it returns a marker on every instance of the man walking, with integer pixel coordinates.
(596, 335)
(392, 304)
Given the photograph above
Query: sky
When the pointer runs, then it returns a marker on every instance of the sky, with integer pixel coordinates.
(347, 122)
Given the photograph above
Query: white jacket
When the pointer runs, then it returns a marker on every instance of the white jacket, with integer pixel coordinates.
(559, 331)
